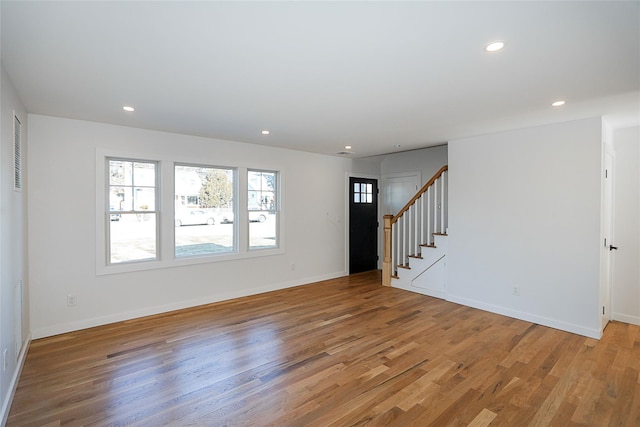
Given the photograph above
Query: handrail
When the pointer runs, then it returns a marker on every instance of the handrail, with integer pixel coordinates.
(419, 193)
(419, 226)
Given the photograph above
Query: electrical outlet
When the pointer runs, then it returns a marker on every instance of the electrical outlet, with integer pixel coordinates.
(516, 291)
(71, 300)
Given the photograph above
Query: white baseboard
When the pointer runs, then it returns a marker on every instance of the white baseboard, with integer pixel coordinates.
(634, 320)
(6, 405)
(528, 317)
(61, 328)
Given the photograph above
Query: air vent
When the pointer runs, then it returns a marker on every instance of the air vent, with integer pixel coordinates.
(344, 153)
(17, 154)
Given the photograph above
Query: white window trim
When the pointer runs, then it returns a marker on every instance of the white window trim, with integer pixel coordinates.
(278, 209)
(166, 238)
(206, 257)
(107, 212)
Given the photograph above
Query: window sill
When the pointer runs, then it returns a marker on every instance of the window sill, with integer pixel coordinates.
(130, 267)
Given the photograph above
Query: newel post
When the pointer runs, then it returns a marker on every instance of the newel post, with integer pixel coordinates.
(386, 261)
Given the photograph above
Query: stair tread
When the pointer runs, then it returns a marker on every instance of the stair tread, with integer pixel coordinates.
(406, 267)
(416, 256)
(428, 245)
(440, 234)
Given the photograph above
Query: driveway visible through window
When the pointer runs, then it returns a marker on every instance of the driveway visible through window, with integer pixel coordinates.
(204, 208)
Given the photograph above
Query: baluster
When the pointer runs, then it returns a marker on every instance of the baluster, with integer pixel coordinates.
(436, 203)
(412, 221)
(407, 234)
(416, 230)
(429, 216)
(398, 236)
(407, 237)
(445, 192)
(407, 226)
(404, 239)
(441, 183)
(422, 219)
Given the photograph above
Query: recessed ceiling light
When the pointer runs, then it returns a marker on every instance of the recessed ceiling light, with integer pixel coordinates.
(265, 132)
(558, 103)
(494, 46)
(347, 147)
(128, 108)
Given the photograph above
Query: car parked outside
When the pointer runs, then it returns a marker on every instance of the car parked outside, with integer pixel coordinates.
(257, 216)
(195, 217)
(227, 217)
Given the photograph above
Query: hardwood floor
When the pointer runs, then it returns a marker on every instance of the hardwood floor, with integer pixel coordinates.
(343, 352)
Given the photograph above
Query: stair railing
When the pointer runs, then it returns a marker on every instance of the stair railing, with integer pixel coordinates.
(424, 216)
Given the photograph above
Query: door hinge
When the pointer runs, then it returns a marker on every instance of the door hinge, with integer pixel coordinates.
(377, 257)
(377, 224)
(377, 191)
(603, 310)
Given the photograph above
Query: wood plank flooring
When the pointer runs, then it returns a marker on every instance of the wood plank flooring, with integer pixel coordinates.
(343, 352)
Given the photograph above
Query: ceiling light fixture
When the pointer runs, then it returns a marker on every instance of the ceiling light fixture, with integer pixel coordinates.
(128, 108)
(265, 132)
(558, 103)
(494, 46)
(347, 147)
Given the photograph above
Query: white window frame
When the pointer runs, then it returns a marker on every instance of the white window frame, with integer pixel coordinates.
(166, 214)
(276, 210)
(156, 211)
(234, 171)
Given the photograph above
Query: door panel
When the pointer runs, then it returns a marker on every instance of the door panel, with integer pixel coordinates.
(363, 224)
(608, 243)
(398, 190)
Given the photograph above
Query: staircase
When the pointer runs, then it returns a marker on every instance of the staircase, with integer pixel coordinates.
(415, 241)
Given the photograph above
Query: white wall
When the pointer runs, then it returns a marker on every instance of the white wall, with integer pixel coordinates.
(13, 237)
(525, 212)
(367, 166)
(427, 161)
(625, 295)
(62, 221)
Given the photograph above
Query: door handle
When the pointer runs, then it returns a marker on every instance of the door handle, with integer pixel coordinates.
(611, 248)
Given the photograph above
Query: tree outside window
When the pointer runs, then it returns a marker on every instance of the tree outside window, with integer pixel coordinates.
(204, 211)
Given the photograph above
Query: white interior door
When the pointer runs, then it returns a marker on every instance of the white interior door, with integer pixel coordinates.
(398, 189)
(608, 247)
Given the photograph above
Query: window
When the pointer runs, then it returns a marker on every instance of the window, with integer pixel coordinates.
(204, 210)
(362, 193)
(262, 204)
(157, 212)
(132, 211)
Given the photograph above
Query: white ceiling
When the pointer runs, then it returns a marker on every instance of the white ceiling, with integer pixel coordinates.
(322, 75)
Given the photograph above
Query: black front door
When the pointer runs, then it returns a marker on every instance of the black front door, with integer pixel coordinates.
(363, 224)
